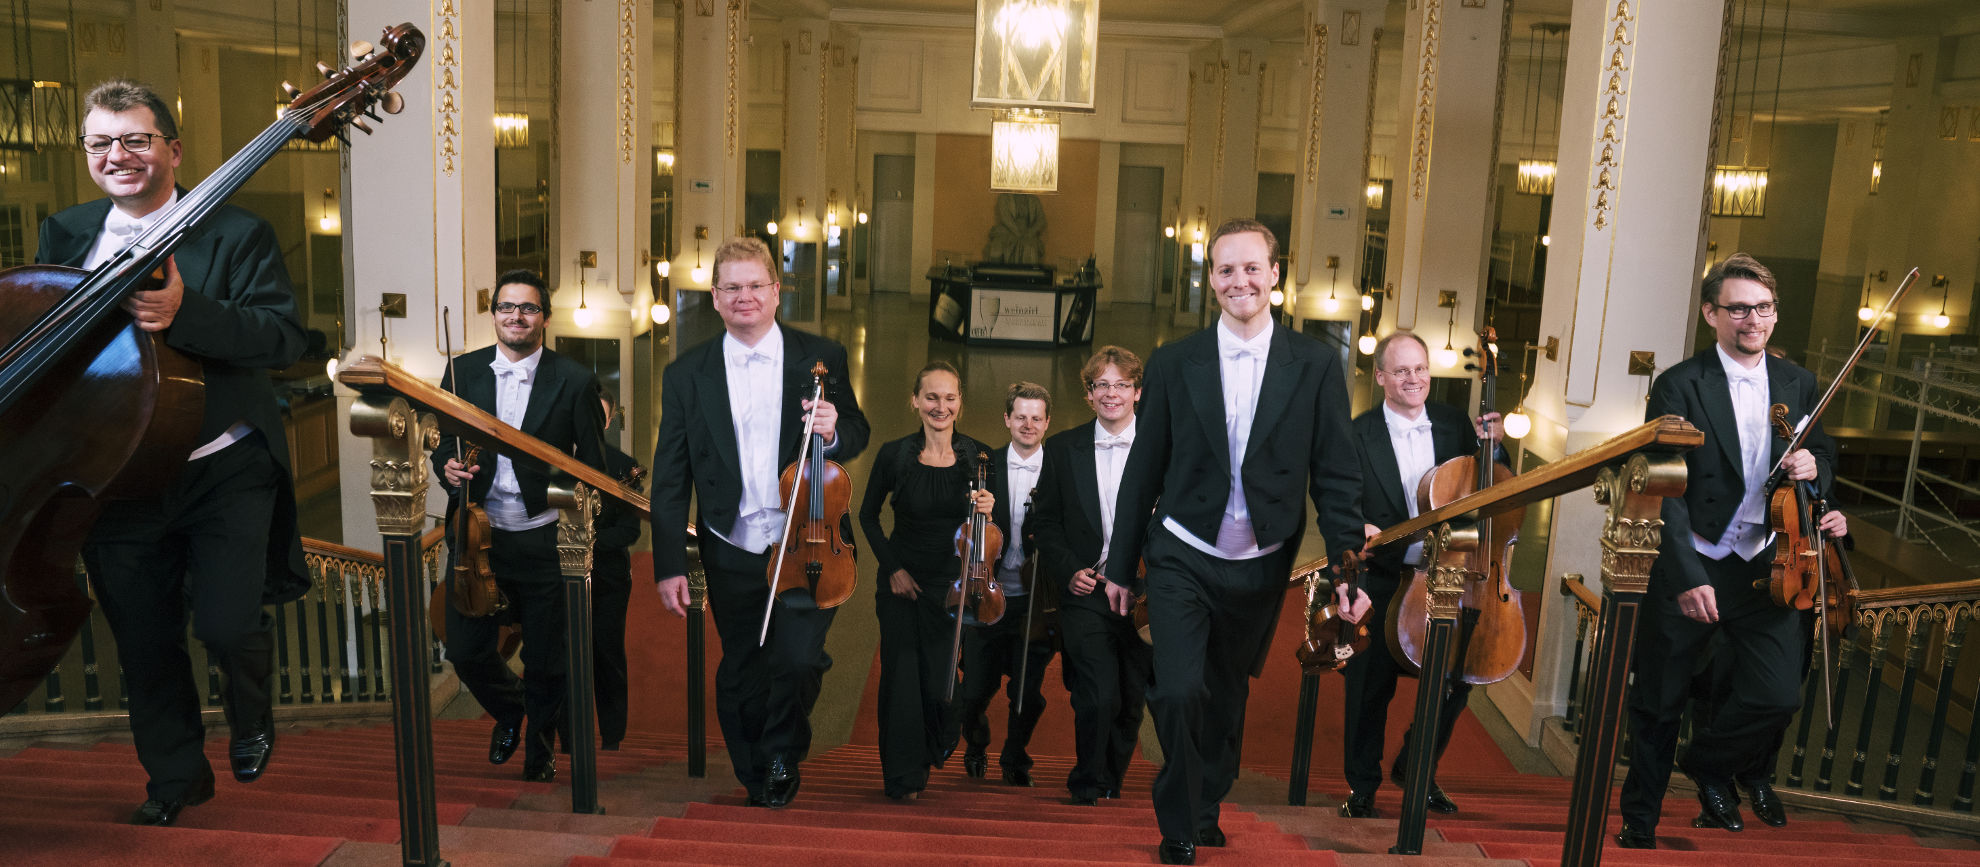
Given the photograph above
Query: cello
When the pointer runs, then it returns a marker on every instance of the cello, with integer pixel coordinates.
(823, 568)
(975, 593)
(92, 408)
(1492, 629)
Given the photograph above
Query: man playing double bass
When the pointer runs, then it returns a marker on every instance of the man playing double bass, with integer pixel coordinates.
(732, 412)
(226, 302)
(554, 399)
(1400, 441)
(1716, 544)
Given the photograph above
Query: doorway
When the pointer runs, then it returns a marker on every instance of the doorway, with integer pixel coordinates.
(1137, 235)
(893, 223)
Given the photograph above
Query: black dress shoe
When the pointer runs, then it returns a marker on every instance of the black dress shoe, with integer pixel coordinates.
(1766, 804)
(781, 782)
(1212, 836)
(1017, 777)
(1440, 802)
(1632, 837)
(1085, 800)
(1359, 807)
(540, 772)
(1111, 794)
(1719, 809)
(162, 813)
(756, 801)
(976, 765)
(1178, 851)
(502, 742)
(249, 755)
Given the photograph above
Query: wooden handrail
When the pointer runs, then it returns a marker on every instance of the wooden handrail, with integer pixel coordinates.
(1571, 585)
(1576, 471)
(1919, 594)
(373, 375)
(341, 552)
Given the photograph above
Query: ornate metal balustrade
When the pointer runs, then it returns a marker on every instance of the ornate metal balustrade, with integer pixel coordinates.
(329, 645)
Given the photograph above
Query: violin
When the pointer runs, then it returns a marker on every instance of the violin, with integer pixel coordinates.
(1810, 571)
(975, 594)
(473, 588)
(821, 566)
(1330, 640)
(1492, 637)
(93, 409)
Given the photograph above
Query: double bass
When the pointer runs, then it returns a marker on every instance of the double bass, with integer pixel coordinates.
(1492, 626)
(976, 593)
(822, 566)
(93, 409)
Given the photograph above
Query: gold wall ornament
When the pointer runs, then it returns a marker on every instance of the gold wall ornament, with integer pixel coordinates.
(628, 77)
(399, 443)
(731, 114)
(447, 79)
(1035, 54)
(1426, 99)
(1613, 116)
(1317, 50)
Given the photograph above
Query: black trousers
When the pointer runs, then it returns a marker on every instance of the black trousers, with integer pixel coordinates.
(1209, 618)
(193, 552)
(763, 694)
(1369, 683)
(1765, 647)
(527, 571)
(990, 655)
(917, 638)
(611, 591)
(1108, 668)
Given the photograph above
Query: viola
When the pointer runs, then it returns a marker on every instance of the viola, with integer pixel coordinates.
(1492, 637)
(815, 557)
(976, 593)
(1330, 640)
(91, 408)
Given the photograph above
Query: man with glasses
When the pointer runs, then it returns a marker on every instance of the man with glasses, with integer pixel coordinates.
(732, 416)
(1400, 440)
(554, 399)
(1716, 544)
(1107, 664)
(222, 540)
(1240, 424)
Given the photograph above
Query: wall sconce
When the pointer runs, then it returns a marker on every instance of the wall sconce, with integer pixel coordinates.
(1024, 151)
(584, 315)
(511, 130)
(1939, 281)
(327, 222)
(800, 213)
(1035, 53)
(700, 273)
(770, 227)
(1448, 356)
(1332, 304)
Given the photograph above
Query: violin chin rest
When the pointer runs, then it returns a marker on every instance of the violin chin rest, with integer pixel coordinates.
(798, 599)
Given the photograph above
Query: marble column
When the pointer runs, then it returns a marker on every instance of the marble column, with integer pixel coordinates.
(416, 201)
(1439, 238)
(712, 45)
(1220, 155)
(805, 182)
(1623, 270)
(1330, 208)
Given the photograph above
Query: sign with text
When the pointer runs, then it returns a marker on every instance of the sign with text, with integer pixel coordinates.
(1013, 314)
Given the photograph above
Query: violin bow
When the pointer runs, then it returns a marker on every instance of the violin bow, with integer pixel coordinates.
(790, 509)
(962, 598)
(1807, 424)
(1030, 571)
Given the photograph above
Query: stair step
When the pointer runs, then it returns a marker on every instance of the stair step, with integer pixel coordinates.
(40, 842)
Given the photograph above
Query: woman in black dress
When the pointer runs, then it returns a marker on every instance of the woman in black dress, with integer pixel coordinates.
(928, 474)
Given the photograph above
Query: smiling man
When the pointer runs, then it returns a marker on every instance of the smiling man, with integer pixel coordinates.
(1400, 440)
(1716, 544)
(192, 552)
(1216, 510)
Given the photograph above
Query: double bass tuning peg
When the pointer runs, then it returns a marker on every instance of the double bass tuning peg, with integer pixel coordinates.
(325, 69)
(392, 102)
(361, 125)
(360, 49)
(291, 90)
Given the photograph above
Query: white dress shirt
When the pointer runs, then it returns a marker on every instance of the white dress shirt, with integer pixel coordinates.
(1110, 454)
(1416, 454)
(1748, 532)
(119, 230)
(756, 402)
(1020, 476)
(513, 382)
(1242, 365)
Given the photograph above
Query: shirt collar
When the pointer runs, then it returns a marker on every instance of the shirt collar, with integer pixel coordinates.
(528, 362)
(117, 218)
(771, 347)
(1100, 430)
(1736, 370)
(1035, 463)
(1228, 339)
(1399, 423)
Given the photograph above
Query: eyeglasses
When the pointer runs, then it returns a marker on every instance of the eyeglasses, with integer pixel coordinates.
(1766, 309)
(526, 308)
(752, 288)
(133, 142)
(1417, 372)
(1098, 387)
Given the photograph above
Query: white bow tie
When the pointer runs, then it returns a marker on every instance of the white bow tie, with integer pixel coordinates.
(1113, 442)
(747, 357)
(121, 224)
(504, 368)
(1036, 464)
(1415, 426)
(1244, 351)
(1756, 376)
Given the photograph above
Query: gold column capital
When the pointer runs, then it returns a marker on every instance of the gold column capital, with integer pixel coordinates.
(697, 576)
(1634, 493)
(400, 439)
(577, 505)
(1445, 550)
